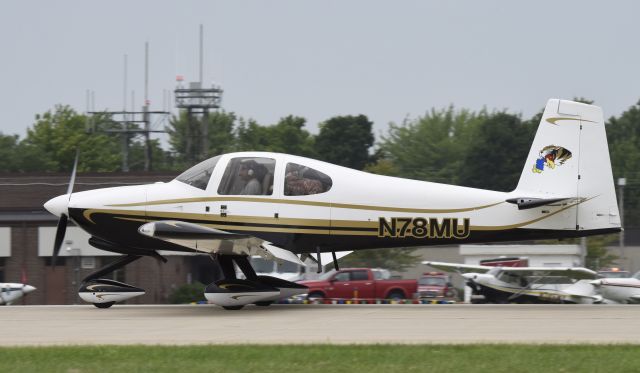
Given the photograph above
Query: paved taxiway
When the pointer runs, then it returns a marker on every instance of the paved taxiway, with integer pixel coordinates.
(203, 324)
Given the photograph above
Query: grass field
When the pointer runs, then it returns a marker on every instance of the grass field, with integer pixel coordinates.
(324, 358)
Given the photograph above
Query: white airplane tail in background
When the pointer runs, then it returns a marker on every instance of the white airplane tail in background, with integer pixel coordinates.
(569, 162)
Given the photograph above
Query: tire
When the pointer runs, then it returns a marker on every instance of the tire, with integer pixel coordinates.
(315, 295)
(232, 308)
(264, 304)
(104, 305)
(396, 295)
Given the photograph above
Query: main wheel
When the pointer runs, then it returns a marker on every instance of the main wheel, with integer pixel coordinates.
(315, 295)
(232, 308)
(396, 295)
(104, 305)
(264, 304)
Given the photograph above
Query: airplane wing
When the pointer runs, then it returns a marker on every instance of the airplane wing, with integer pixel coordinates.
(577, 273)
(459, 268)
(210, 240)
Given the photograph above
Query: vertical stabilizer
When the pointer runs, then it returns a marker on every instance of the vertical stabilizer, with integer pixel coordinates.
(569, 158)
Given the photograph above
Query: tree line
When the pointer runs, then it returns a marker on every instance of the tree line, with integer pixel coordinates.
(481, 149)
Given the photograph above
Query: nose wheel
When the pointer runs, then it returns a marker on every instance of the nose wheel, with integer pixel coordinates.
(104, 305)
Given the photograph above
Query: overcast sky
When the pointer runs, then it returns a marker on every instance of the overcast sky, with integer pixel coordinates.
(384, 59)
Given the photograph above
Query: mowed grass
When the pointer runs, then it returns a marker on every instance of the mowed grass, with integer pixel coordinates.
(324, 358)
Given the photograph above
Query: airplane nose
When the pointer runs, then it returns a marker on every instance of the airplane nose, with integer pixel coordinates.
(58, 205)
(28, 289)
(469, 276)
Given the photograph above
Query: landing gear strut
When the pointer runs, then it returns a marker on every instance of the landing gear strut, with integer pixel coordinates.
(104, 293)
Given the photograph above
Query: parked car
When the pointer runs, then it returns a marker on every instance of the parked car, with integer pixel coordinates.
(435, 285)
(360, 283)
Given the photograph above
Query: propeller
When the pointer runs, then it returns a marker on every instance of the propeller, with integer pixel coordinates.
(62, 222)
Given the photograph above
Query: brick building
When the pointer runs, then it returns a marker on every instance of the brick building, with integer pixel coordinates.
(27, 232)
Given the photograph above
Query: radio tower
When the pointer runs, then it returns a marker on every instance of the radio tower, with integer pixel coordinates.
(198, 101)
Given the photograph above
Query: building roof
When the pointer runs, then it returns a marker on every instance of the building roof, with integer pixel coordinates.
(22, 195)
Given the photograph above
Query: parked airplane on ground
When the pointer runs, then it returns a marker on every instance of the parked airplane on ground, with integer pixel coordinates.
(526, 284)
(619, 290)
(277, 205)
(11, 292)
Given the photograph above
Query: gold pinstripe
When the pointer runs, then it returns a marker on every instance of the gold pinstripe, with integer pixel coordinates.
(302, 203)
(294, 221)
(553, 120)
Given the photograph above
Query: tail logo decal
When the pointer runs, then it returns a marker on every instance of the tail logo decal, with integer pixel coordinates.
(551, 156)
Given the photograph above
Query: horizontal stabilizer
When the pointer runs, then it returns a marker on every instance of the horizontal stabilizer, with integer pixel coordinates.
(525, 203)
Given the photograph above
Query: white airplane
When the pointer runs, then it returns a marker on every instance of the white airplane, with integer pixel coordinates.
(277, 205)
(527, 284)
(10, 292)
(619, 290)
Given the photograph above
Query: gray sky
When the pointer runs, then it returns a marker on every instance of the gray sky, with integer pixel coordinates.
(385, 59)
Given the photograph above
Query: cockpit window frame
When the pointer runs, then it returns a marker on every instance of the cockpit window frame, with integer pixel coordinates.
(233, 162)
(206, 167)
(322, 179)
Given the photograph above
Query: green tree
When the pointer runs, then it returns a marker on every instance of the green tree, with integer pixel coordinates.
(161, 160)
(286, 136)
(431, 147)
(51, 144)
(221, 137)
(496, 157)
(9, 153)
(187, 293)
(397, 259)
(597, 254)
(623, 135)
(345, 140)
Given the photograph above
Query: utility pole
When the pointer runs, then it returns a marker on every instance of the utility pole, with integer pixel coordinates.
(205, 114)
(128, 120)
(621, 184)
(125, 136)
(197, 100)
(145, 110)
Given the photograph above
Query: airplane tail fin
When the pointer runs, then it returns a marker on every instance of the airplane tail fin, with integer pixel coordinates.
(569, 162)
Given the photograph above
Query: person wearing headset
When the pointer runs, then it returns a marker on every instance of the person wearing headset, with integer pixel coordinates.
(247, 172)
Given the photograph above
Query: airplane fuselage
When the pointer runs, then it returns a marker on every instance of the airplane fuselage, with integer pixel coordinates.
(359, 211)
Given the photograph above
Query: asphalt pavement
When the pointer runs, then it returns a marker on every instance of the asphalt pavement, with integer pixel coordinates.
(279, 324)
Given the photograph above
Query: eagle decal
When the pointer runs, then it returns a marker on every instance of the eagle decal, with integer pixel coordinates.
(551, 156)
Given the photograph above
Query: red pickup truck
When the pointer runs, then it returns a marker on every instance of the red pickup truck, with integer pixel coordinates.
(360, 283)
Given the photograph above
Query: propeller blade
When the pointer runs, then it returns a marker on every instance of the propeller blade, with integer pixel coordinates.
(57, 244)
(73, 174)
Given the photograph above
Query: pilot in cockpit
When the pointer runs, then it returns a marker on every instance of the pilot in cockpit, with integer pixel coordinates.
(249, 174)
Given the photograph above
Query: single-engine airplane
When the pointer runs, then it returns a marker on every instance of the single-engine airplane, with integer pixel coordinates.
(277, 205)
(526, 284)
(11, 292)
(619, 290)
